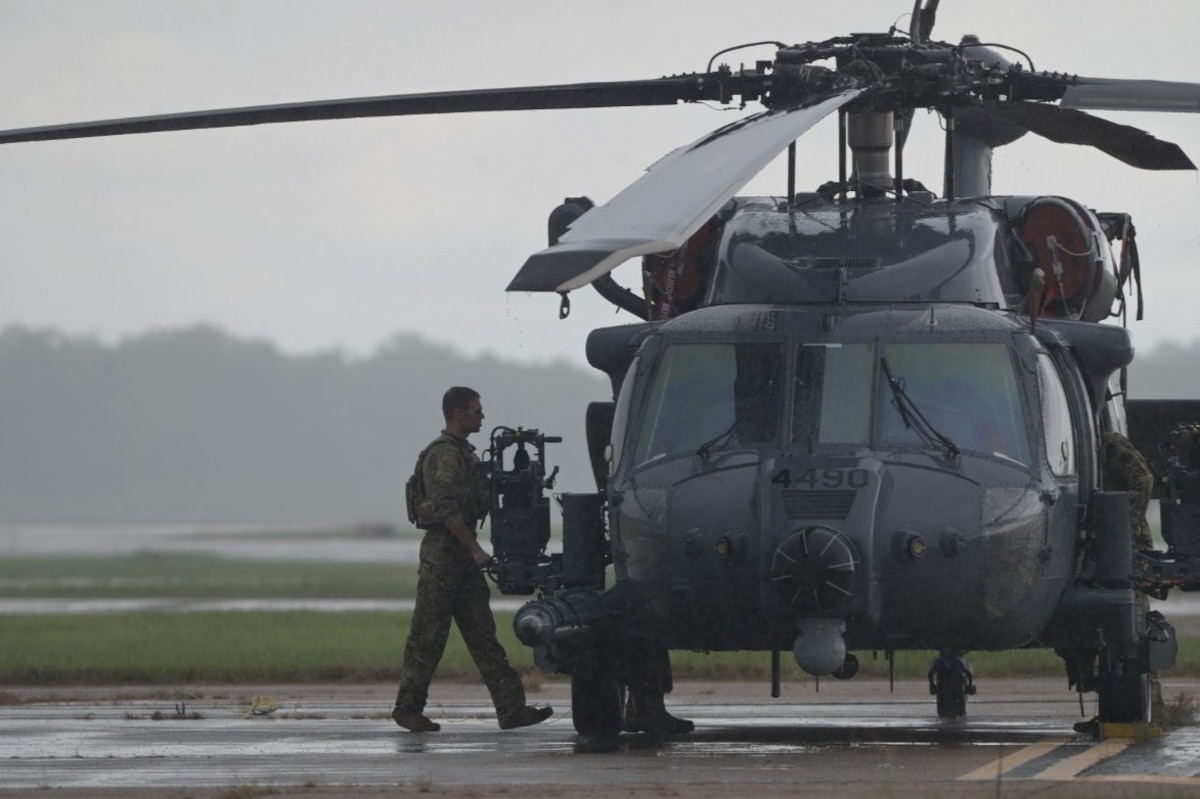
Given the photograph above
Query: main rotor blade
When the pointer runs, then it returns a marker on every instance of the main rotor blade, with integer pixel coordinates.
(1132, 145)
(657, 91)
(660, 210)
(921, 24)
(1111, 94)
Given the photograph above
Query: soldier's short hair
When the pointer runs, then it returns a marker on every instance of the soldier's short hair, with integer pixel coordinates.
(457, 398)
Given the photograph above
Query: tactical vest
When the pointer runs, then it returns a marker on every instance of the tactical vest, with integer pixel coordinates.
(415, 495)
(414, 489)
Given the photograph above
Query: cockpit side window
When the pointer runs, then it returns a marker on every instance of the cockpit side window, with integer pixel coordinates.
(832, 402)
(711, 395)
(1056, 418)
(621, 414)
(967, 391)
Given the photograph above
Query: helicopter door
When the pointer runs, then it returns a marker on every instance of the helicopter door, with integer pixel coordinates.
(1059, 428)
(1069, 246)
(1056, 419)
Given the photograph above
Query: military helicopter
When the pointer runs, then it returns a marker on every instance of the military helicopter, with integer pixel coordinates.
(863, 417)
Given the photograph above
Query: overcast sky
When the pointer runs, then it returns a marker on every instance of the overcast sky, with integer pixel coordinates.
(341, 234)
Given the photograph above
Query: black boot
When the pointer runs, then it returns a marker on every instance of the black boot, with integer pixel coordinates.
(647, 713)
(525, 716)
(414, 721)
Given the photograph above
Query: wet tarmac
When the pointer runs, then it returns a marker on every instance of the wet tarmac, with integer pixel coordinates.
(1018, 733)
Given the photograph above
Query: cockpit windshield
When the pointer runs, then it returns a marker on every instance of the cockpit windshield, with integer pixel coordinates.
(711, 396)
(832, 402)
(966, 390)
(708, 397)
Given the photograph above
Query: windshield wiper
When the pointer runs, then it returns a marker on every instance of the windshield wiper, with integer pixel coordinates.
(912, 416)
(768, 390)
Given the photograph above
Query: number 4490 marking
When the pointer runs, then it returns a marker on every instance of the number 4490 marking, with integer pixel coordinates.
(822, 478)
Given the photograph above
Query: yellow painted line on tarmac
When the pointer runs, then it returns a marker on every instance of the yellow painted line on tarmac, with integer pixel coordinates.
(1067, 769)
(1006, 763)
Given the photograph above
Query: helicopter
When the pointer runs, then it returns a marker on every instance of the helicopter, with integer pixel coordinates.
(858, 417)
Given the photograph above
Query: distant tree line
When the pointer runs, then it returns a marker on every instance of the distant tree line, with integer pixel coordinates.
(195, 425)
(1168, 372)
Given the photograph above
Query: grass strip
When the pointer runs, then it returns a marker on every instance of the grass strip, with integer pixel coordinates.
(156, 648)
(304, 646)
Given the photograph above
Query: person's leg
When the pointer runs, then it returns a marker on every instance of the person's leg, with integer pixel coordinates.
(473, 615)
(1156, 698)
(645, 709)
(436, 588)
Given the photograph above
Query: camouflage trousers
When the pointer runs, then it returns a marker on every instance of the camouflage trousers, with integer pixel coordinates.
(1156, 697)
(649, 665)
(451, 587)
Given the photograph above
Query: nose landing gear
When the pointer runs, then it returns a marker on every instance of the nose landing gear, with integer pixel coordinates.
(951, 680)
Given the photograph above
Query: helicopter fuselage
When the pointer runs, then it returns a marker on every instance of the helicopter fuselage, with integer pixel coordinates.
(879, 431)
(738, 522)
(860, 429)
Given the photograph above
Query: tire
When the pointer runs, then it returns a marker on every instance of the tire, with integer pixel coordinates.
(597, 705)
(951, 694)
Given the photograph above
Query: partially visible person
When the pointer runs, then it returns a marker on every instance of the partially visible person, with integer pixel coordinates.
(1124, 469)
(453, 499)
(645, 707)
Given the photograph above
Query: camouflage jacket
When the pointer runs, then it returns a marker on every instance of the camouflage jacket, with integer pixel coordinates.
(1126, 470)
(454, 485)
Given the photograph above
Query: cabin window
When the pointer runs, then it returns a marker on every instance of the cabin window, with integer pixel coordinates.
(711, 396)
(621, 414)
(1056, 418)
(832, 394)
(966, 390)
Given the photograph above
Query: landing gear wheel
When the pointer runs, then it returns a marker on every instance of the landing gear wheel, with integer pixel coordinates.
(951, 680)
(952, 696)
(1124, 693)
(597, 704)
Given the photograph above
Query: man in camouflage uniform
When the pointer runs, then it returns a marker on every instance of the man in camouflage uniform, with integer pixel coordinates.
(1124, 469)
(450, 583)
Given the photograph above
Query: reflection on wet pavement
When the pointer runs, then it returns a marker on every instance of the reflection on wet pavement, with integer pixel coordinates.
(114, 745)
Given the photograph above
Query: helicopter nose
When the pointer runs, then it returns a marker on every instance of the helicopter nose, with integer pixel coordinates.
(820, 648)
